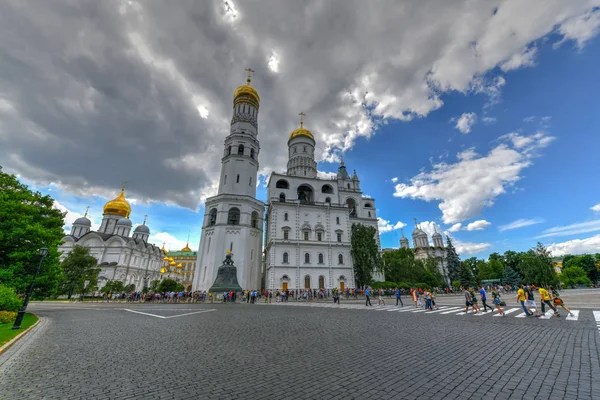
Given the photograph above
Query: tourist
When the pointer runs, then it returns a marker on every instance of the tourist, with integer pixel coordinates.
(415, 299)
(496, 300)
(484, 298)
(468, 301)
(368, 296)
(545, 300)
(380, 298)
(530, 302)
(398, 299)
(476, 308)
(558, 301)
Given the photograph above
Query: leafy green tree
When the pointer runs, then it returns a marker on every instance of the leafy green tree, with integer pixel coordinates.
(456, 284)
(466, 276)
(154, 284)
(497, 257)
(431, 273)
(9, 300)
(399, 266)
(79, 266)
(574, 275)
(471, 263)
(513, 259)
(510, 277)
(493, 269)
(537, 267)
(365, 254)
(169, 285)
(28, 222)
(586, 262)
(113, 287)
(452, 260)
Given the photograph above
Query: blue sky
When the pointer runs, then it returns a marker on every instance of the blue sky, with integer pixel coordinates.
(490, 133)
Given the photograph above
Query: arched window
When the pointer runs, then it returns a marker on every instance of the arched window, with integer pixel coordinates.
(241, 150)
(285, 258)
(368, 205)
(352, 206)
(340, 259)
(254, 219)
(285, 216)
(348, 186)
(233, 217)
(307, 282)
(282, 184)
(326, 189)
(282, 197)
(212, 219)
(251, 153)
(305, 194)
(369, 214)
(321, 282)
(228, 150)
(305, 149)
(328, 200)
(306, 258)
(321, 258)
(337, 220)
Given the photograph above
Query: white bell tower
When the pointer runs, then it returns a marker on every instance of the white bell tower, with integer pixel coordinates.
(233, 219)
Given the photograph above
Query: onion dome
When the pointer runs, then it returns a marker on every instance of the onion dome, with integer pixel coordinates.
(436, 234)
(142, 229)
(172, 263)
(179, 265)
(124, 222)
(186, 248)
(302, 131)
(246, 93)
(83, 221)
(118, 206)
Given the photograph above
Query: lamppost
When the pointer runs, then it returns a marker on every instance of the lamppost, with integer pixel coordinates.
(43, 253)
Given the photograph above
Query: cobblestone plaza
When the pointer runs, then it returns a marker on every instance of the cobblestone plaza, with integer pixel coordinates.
(299, 350)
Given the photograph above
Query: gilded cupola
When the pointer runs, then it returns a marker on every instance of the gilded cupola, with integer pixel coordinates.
(246, 93)
(118, 206)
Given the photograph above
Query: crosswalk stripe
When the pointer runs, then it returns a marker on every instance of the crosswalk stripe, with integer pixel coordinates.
(463, 313)
(400, 309)
(547, 315)
(523, 315)
(453, 311)
(510, 310)
(574, 316)
(444, 309)
(420, 310)
(597, 318)
(483, 313)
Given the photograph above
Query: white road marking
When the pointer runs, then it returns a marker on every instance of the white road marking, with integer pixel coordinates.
(420, 310)
(170, 316)
(401, 309)
(446, 309)
(143, 313)
(547, 315)
(532, 310)
(463, 313)
(573, 317)
(191, 313)
(511, 310)
(479, 314)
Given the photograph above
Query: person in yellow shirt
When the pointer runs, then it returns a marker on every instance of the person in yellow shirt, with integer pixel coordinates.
(521, 299)
(546, 301)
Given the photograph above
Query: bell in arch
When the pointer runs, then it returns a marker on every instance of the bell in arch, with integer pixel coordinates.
(226, 280)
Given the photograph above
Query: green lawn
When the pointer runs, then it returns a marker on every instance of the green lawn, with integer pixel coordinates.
(7, 333)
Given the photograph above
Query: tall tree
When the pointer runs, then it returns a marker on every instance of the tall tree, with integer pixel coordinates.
(510, 277)
(78, 267)
(513, 260)
(433, 276)
(365, 254)
(452, 260)
(466, 276)
(28, 222)
(574, 275)
(537, 266)
(399, 266)
(586, 262)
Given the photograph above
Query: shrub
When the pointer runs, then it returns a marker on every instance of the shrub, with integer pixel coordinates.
(9, 300)
(6, 317)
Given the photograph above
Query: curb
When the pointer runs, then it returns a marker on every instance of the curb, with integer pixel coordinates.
(19, 336)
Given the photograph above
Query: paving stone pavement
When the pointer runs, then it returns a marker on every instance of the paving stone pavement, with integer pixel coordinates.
(271, 352)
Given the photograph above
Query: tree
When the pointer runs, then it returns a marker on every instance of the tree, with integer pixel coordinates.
(452, 260)
(365, 254)
(169, 285)
(28, 222)
(537, 266)
(585, 262)
(471, 263)
(113, 287)
(431, 273)
(466, 276)
(574, 275)
(510, 277)
(79, 266)
(399, 266)
(512, 259)
(493, 269)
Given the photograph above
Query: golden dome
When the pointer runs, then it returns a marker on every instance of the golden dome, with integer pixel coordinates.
(246, 93)
(166, 259)
(302, 131)
(179, 265)
(172, 263)
(118, 206)
(162, 270)
(186, 248)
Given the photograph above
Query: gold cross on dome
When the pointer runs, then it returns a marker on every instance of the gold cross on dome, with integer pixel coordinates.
(301, 114)
(145, 217)
(250, 71)
(228, 251)
(86, 211)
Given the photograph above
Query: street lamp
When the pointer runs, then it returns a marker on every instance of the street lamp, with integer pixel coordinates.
(43, 253)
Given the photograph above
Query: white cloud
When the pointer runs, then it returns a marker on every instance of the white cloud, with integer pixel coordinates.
(469, 248)
(71, 216)
(385, 225)
(455, 228)
(595, 208)
(395, 179)
(171, 242)
(478, 225)
(576, 246)
(474, 181)
(581, 28)
(429, 227)
(520, 223)
(326, 175)
(273, 62)
(489, 120)
(573, 229)
(465, 122)
(525, 58)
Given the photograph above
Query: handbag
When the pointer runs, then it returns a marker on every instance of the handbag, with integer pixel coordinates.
(502, 303)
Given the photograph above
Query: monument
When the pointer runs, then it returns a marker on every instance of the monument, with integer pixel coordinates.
(226, 280)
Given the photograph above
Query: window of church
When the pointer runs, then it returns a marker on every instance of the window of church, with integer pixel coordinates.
(285, 216)
(307, 282)
(337, 220)
(305, 149)
(254, 220)
(326, 189)
(285, 258)
(328, 200)
(225, 180)
(282, 197)
(306, 258)
(250, 182)
(233, 217)
(339, 237)
(237, 179)
(251, 153)
(212, 219)
(241, 150)
(369, 214)
(348, 186)
(320, 258)
(305, 235)
(286, 235)
(321, 282)
(228, 150)
(231, 246)
(282, 184)
(340, 259)
(319, 236)
(294, 150)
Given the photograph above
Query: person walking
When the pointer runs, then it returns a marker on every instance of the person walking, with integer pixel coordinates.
(368, 296)
(545, 299)
(468, 301)
(521, 299)
(558, 301)
(398, 299)
(476, 308)
(414, 296)
(496, 300)
(530, 302)
(484, 298)
(380, 299)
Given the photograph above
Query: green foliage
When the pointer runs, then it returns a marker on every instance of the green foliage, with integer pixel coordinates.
(113, 287)
(493, 269)
(9, 300)
(400, 266)
(466, 276)
(512, 259)
(154, 284)
(365, 253)
(431, 273)
(510, 277)
(79, 266)
(169, 285)
(586, 262)
(7, 317)
(456, 284)
(574, 275)
(383, 285)
(28, 222)
(537, 267)
(452, 260)
(471, 263)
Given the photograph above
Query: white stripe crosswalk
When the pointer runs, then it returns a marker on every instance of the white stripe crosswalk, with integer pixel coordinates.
(509, 311)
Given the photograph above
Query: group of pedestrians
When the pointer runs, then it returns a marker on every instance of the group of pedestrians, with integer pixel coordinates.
(550, 299)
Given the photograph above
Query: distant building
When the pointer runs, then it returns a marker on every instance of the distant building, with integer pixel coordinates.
(185, 262)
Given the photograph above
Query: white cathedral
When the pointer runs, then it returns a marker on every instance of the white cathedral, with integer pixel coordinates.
(308, 219)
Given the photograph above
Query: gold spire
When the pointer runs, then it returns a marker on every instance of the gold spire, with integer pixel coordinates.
(249, 78)
(302, 131)
(246, 93)
(86, 212)
(187, 244)
(301, 114)
(119, 205)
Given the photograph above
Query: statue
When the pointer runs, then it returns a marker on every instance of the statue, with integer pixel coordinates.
(226, 280)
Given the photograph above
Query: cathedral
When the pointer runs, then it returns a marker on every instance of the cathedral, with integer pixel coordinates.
(423, 250)
(130, 259)
(308, 219)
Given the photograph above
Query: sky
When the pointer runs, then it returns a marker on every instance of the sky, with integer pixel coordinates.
(478, 118)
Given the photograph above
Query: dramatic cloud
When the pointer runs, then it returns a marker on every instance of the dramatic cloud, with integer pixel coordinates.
(526, 58)
(474, 181)
(469, 248)
(520, 223)
(326, 175)
(573, 229)
(478, 225)
(455, 228)
(71, 216)
(465, 122)
(595, 208)
(99, 92)
(170, 241)
(385, 225)
(577, 246)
